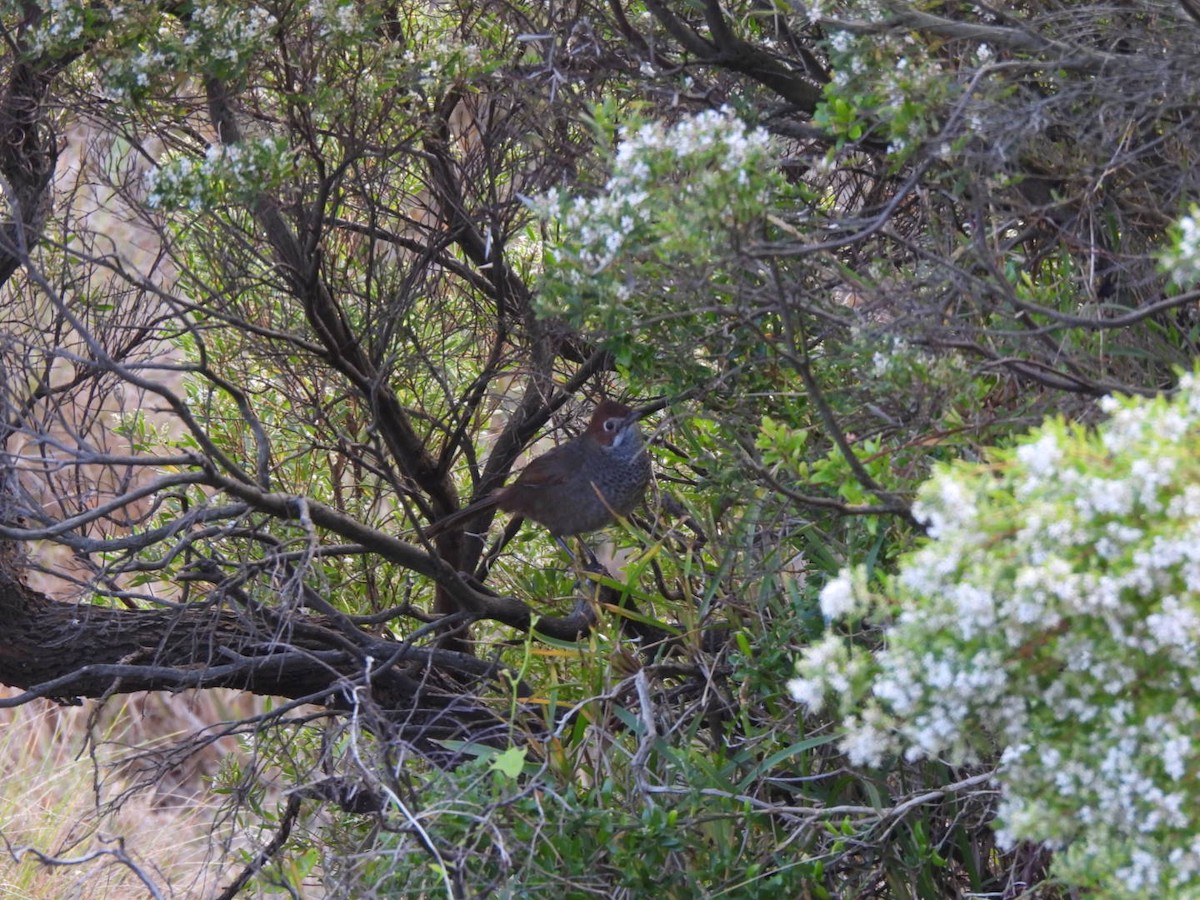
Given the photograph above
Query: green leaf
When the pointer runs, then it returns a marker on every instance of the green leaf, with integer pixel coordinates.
(510, 763)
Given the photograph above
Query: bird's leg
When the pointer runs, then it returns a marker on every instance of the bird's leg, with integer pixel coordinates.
(591, 564)
(570, 553)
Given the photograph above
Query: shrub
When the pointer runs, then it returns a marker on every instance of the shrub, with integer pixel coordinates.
(1049, 625)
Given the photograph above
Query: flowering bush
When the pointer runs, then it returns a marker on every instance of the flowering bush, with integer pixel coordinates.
(897, 85)
(702, 164)
(1182, 259)
(227, 172)
(679, 198)
(1051, 626)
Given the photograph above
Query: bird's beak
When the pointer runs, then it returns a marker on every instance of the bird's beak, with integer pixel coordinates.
(641, 412)
(635, 415)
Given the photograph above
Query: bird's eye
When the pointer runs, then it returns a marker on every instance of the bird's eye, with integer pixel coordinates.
(610, 424)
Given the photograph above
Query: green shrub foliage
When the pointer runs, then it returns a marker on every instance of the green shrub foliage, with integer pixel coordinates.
(1050, 625)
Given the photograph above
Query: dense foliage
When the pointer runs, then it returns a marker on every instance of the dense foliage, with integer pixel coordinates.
(284, 284)
(1050, 626)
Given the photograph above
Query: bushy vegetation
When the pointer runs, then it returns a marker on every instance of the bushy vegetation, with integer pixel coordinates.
(908, 611)
(1048, 628)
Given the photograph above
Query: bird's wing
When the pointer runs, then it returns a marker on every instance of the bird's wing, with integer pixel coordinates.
(543, 471)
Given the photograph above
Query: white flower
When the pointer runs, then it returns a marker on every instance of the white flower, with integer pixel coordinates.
(809, 691)
(867, 740)
(946, 506)
(839, 598)
(1042, 457)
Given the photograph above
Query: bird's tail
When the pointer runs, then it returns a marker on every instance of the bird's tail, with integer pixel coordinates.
(456, 519)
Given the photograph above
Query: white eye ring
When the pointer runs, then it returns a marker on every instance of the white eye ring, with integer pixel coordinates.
(610, 424)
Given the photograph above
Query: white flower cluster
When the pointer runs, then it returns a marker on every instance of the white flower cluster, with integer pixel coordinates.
(694, 156)
(138, 71)
(894, 78)
(183, 182)
(440, 56)
(65, 20)
(218, 37)
(1183, 260)
(228, 32)
(335, 16)
(1053, 622)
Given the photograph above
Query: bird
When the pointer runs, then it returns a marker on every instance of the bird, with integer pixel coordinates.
(577, 487)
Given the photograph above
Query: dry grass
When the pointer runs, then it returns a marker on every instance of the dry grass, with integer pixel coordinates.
(55, 787)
